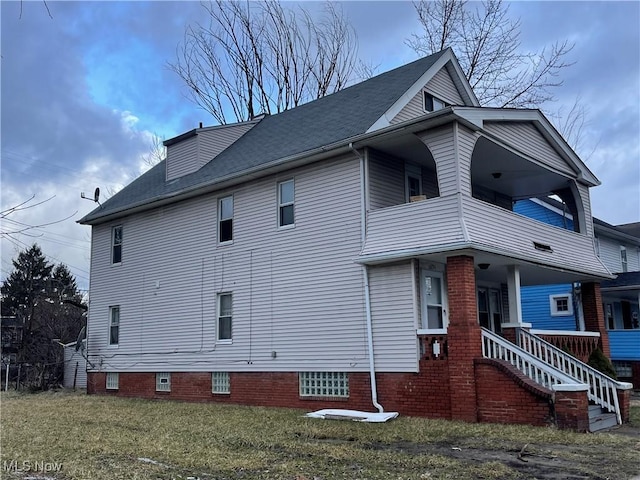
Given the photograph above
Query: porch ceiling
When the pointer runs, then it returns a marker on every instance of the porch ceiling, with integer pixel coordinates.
(517, 177)
(407, 147)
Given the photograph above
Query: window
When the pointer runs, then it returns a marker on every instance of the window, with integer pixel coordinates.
(220, 382)
(413, 181)
(163, 382)
(225, 306)
(116, 244)
(112, 380)
(623, 369)
(610, 319)
(623, 258)
(324, 384)
(432, 104)
(433, 301)
(114, 325)
(286, 197)
(561, 305)
(225, 220)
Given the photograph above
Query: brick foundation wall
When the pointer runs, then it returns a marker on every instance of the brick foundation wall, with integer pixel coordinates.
(416, 394)
(505, 395)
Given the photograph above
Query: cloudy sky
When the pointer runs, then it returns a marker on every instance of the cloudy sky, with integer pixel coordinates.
(84, 92)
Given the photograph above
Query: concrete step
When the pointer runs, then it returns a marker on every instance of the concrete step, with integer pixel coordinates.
(601, 419)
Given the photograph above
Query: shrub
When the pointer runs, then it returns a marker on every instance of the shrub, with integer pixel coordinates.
(600, 362)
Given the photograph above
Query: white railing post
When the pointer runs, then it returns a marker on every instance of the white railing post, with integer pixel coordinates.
(603, 390)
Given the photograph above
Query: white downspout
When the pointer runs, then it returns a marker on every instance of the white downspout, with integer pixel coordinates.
(372, 366)
(365, 278)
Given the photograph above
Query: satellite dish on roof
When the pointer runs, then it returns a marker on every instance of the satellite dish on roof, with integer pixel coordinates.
(96, 196)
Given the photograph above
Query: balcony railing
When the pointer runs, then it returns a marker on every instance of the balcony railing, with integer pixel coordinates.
(459, 221)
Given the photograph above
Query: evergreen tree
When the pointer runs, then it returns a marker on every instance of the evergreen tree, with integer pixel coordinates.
(44, 298)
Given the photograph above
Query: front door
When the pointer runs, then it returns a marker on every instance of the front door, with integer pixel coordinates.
(433, 299)
(490, 309)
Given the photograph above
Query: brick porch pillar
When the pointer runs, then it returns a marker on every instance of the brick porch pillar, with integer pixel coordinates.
(464, 337)
(571, 407)
(594, 315)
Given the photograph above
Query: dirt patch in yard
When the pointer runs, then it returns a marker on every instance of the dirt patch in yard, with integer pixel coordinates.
(537, 461)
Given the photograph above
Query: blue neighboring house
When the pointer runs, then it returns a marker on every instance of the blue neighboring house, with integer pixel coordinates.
(556, 307)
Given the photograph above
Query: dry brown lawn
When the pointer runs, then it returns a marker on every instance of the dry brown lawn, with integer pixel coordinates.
(64, 435)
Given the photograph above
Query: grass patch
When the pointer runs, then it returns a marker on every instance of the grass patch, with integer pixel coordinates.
(112, 438)
(634, 417)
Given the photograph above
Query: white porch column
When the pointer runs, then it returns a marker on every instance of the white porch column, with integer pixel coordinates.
(515, 304)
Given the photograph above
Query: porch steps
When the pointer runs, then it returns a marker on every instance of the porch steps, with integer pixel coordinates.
(600, 419)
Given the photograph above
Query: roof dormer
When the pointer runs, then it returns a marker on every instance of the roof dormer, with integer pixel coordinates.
(190, 151)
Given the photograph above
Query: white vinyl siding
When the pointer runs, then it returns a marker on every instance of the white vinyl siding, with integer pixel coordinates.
(292, 294)
(386, 180)
(466, 140)
(213, 140)
(75, 368)
(585, 198)
(440, 86)
(530, 141)
(441, 144)
(190, 154)
(434, 225)
(182, 158)
(393, 317)
(611, 254)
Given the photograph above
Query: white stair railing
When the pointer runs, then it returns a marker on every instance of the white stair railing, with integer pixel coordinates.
(603, 390)
(496, 347)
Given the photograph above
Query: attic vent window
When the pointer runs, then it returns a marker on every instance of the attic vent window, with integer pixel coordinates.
(432, 104)
(542, 247)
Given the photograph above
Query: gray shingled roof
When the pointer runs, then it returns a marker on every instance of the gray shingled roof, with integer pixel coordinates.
(322, 122)
(626, 279)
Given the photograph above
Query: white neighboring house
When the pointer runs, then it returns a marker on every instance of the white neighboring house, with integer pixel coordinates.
(75, 367)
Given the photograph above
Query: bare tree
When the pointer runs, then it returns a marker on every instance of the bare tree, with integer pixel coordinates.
(157, 151)
(487, 43)
(259, 57)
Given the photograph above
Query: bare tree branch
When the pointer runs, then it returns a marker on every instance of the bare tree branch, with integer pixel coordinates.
(260, 57)
(487, 43)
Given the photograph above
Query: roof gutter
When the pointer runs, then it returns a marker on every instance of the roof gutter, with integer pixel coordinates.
(390, 256)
